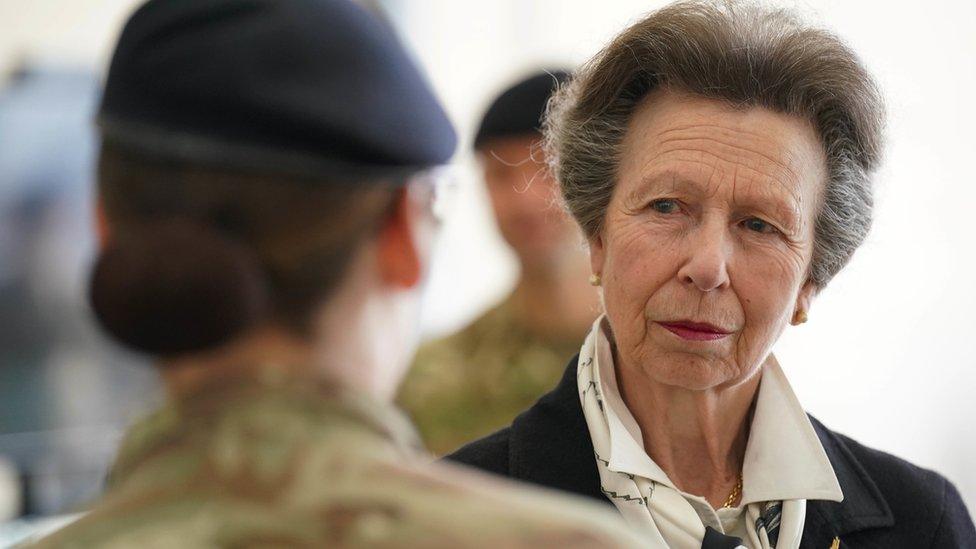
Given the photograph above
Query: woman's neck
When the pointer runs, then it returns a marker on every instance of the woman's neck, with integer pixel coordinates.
(697, 437)
(259, 353)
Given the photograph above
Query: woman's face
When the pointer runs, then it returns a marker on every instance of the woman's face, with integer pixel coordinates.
(708, 238)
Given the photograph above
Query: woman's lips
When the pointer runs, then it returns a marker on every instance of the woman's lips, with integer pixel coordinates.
(694, 331)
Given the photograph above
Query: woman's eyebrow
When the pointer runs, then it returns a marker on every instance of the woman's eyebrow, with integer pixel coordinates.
(664, 181)
(786, 212)
(771, 196)
(771, 199)
(760, 197)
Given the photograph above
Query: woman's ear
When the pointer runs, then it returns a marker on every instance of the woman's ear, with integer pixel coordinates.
(804, 300)
(398, 253)
(597, 254)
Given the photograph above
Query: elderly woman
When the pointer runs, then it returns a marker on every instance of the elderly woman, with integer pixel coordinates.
(718, 159)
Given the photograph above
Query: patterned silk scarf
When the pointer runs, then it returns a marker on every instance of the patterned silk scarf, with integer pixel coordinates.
(660, 511)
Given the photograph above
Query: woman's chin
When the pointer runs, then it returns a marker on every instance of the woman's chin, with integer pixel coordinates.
(693, 373)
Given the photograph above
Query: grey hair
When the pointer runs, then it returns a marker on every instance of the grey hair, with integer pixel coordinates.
(743, 54)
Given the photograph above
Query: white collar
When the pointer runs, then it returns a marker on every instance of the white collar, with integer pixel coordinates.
(784, 459)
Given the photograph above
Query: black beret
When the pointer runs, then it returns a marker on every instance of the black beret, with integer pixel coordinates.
(519, 109)
(305, 86)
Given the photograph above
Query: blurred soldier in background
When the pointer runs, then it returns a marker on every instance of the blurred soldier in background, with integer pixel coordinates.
(476, 381)
(266, 214)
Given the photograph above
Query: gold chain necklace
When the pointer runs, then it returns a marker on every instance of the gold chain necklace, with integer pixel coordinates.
(729, 503)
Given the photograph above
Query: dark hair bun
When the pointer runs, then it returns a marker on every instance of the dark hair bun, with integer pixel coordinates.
(176, 287)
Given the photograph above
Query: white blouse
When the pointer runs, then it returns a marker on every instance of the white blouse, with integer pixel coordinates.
(784, 461)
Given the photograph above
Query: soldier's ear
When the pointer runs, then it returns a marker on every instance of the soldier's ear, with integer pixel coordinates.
(102, 230)
(399, 252)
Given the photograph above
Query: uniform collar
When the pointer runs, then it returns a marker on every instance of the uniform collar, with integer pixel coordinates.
(320, 407)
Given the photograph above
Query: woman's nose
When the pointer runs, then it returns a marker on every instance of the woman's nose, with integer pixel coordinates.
(706, 263)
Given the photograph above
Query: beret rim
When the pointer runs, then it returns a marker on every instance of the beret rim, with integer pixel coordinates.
(184, 146)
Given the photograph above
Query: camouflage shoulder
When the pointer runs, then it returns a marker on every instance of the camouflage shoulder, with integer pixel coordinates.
(438, 366)
(439, 360)
(374, 503)
(469, 508)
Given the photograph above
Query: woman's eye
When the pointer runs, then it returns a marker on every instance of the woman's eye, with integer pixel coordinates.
(665, 206)
(758, 225)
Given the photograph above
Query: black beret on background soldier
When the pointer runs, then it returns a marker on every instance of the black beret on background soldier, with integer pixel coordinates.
(266, 194)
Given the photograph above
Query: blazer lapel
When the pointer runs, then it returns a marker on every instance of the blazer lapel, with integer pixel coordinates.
(863, 507)
(550, 443)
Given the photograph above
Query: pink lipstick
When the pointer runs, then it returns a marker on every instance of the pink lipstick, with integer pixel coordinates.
(694, 331)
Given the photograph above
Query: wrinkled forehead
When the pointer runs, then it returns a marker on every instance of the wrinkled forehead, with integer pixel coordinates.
(748, 153)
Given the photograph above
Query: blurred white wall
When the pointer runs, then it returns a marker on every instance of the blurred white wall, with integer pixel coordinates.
(62, 32)
(889, 355)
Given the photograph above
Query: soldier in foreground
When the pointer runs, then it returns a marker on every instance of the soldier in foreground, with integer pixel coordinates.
(266, 216)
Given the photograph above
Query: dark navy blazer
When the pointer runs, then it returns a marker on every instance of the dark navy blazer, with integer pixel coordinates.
(888, 502)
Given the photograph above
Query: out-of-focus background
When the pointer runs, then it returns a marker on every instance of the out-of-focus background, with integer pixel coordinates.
(889, 355)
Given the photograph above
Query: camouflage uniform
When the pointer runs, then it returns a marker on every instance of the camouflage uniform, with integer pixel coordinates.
(476, 381)
(298, 464)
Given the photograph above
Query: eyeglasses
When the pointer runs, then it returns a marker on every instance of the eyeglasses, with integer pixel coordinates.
(437, 187)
